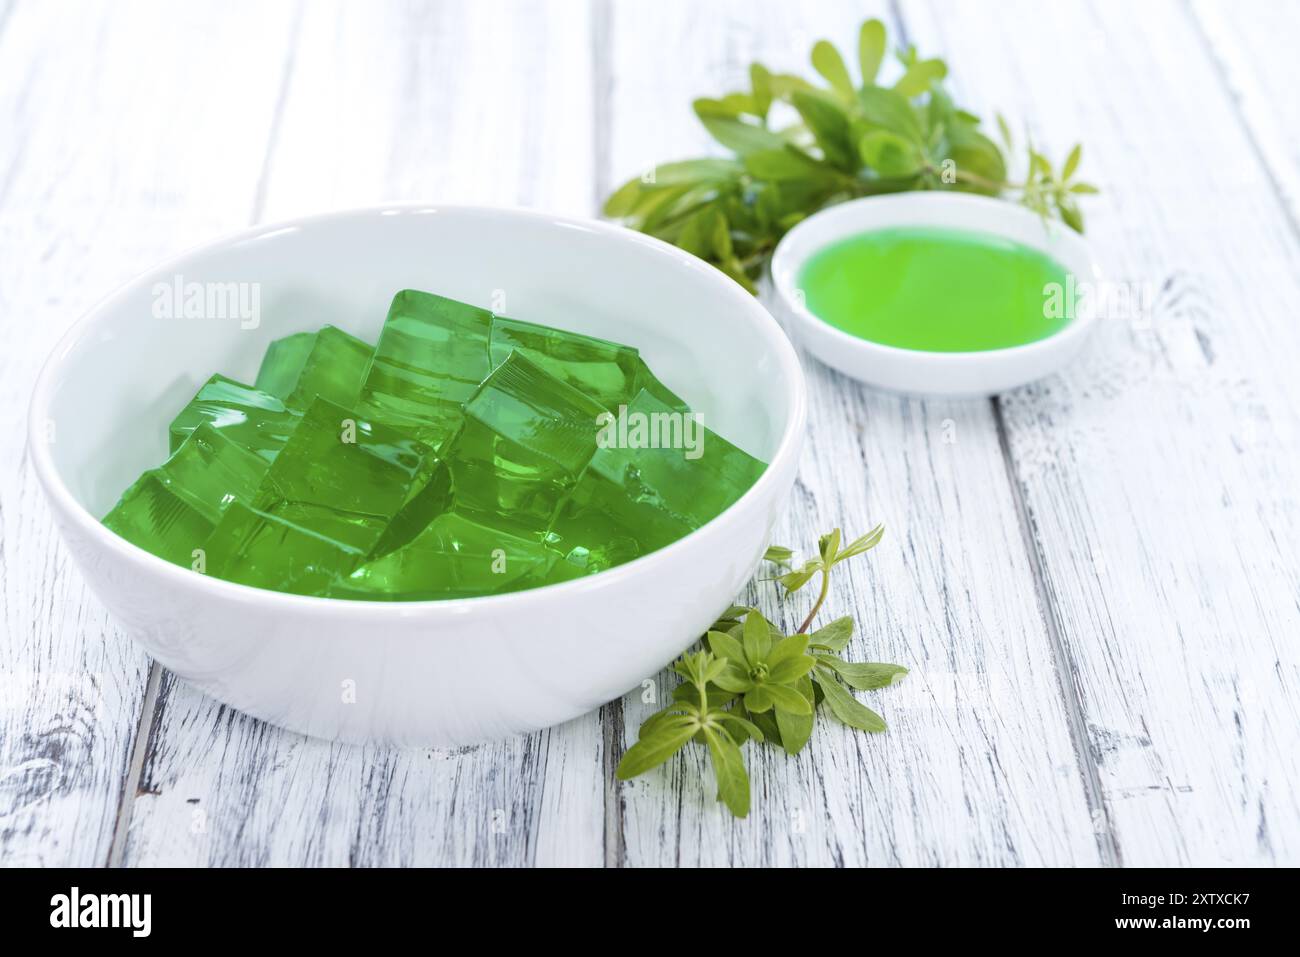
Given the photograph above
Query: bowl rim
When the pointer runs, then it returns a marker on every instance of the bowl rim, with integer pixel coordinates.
(786, 265)
(47, 473)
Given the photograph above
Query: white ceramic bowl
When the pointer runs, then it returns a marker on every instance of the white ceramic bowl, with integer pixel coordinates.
(915, 371)
(416, 673)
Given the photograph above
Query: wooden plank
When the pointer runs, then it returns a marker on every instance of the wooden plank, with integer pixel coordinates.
(1158, 473)
(1256, 59)
(448, 102)
(103, 170)
(978, 766)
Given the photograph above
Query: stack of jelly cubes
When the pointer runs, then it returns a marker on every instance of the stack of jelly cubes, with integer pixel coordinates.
(460, 456)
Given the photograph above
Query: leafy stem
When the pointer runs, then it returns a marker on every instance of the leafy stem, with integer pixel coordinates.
(752, 683)
(797, 146)
(821, 598)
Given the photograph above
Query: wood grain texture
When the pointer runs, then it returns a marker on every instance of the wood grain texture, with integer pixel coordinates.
(103, 174)
(1094, 579)
(1257, 61)
(470, 103)
(978, 766)
(1158, 474)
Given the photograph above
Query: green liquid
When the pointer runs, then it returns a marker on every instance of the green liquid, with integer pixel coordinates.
(935, 289)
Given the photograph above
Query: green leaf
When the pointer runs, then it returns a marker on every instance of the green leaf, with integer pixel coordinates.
(889, 110)
(720, 236)
(734, 133)
(784, 85)
(796, 729)
(767, 723)
(787, 163)
(695, 236)
(687, 696)
(720, 643)
(759, 698)
(865, 675)
(1005, 130)
(1072, 162)
(1039, 165)
(734, 678)
(710, 170)
(757, 638)
(731, 616)
(622, 201)
(787, 649)
(973, 152)
(760, 81)
(863, 544)
(889, 154)
(786, 698)
(828, 546)
(1084, 189)
(778, 553)
(657, 206)
(920, 76)
(747, 728)
(846, 708)
(828, 123)
(795, 580)
(871, 50)
(665, 740)
(711, 670)
(657, 720)
(709, 106)
(790, 670)
(1069, 213)
(729, 768)
(738, 103)
(827, 61)
(834, 636)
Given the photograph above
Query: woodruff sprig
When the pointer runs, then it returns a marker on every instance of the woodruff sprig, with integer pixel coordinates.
(845, 142)
(753, 683)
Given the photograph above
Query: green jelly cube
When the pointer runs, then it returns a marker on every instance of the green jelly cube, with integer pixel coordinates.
(329, 363)
(282, 364)
(171, 510)
(645, 379)
(455, 557)
(252, 547)
(605, 371)
(432, 355)
(657, 476)
(526, 438)
(350, 479)
(250, 418)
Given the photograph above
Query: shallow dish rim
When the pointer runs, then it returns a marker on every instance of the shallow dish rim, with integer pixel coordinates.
(786, 265)
(48, 378)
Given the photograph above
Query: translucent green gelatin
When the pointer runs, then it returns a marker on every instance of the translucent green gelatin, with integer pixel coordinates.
(349, 479)
(171, 510)
(605, 371)
(257, 548)
(465, 454)
(250, 418)
(526, 438)
(330, 364)
(432, 355)
(659, 478)
(934, 289)
(455, 557)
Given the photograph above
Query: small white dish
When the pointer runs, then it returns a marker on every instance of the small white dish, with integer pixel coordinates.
(915, 371)
(429, 673)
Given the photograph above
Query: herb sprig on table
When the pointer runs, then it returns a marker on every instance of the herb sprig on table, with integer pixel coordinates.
(842, 142)
(751, 682)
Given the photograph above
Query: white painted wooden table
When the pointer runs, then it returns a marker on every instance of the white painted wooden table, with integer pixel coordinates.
(1095, 580)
